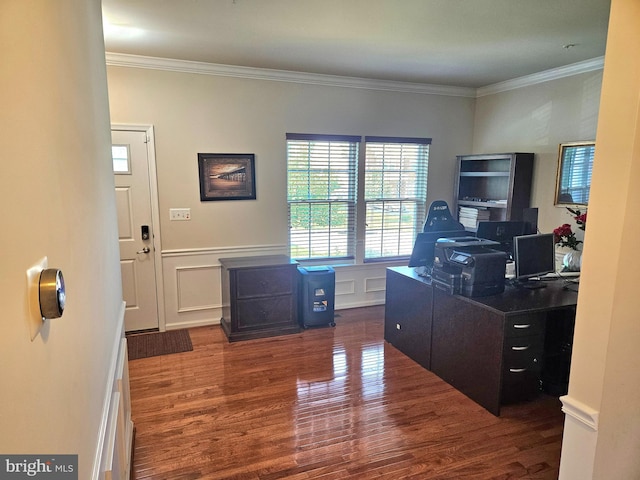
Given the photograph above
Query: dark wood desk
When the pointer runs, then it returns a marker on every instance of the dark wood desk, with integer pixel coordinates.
(492, 349)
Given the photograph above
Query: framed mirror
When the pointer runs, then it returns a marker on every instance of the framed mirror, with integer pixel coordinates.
(573, 181)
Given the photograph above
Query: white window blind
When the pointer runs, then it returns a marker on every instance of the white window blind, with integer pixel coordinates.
(321, 183)
(577, 165)
(395, 193)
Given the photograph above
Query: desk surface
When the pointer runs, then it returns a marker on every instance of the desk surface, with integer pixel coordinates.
(516, 300)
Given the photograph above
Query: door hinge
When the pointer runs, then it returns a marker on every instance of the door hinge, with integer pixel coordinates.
(147, 139)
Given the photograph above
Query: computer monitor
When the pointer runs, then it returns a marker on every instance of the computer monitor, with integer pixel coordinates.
(502, 232)
(424, 246)
(534, 255)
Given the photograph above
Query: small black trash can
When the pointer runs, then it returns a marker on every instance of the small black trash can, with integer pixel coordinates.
(317, 296)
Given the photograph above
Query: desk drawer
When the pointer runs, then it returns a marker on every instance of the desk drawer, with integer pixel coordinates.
(520, 385)
(265, 282)
(266, 313)
(523, 352)
(525, 325)
(521, 367)
(520, 351)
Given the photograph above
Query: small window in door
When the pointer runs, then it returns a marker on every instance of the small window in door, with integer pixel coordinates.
(120, 155)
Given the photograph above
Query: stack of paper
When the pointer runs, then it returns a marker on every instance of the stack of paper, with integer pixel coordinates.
(470, 216)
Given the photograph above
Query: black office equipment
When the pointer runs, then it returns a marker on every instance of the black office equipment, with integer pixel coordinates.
(534, 256)
(469, 266)
(502, 232)
(423, 248)
(530, 219)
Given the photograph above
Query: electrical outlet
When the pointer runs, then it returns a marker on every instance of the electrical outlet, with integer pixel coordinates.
(180, 214)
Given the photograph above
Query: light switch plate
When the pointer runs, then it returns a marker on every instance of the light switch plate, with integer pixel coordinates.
(180, 214)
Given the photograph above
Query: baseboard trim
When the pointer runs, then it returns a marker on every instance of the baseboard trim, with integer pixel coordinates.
(346, 306)
(193, 324)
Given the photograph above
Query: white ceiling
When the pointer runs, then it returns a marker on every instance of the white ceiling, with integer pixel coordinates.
(464, 43)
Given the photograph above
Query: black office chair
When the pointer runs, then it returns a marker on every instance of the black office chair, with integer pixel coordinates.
(439, 218)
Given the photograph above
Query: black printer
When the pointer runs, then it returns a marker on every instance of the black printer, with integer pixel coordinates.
(468, 266)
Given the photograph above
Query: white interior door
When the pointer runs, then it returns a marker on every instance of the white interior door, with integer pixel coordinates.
(135, 229)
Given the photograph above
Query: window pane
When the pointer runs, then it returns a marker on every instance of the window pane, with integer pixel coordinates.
(390, 228)
(120, 155)
(321, 187)
(320, 230)
(395, 196)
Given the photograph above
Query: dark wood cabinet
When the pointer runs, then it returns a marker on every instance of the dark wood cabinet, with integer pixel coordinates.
(498, 183)
(259, 297)
(493, 349)
(522, 356)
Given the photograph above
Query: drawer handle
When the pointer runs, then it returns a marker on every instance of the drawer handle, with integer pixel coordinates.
(520, 349)
(522, 325)
(517, 370)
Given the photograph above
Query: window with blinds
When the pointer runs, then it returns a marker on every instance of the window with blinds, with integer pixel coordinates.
(574, 176)
(321, 197)
(395, 193)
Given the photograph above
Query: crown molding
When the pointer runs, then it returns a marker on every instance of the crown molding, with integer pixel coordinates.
(544, 76)
(184, 66)
(203, 68)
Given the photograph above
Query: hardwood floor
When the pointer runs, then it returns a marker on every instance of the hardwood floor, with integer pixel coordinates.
(328, 403)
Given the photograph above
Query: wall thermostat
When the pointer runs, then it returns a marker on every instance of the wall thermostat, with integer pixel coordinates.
(52, 295)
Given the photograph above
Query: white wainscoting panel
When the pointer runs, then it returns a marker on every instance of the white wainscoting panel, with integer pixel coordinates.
(193, 285)
(115, 441)
(360, 285)
(579, 439)
(344, 288)
(374, 284)
(191, 297)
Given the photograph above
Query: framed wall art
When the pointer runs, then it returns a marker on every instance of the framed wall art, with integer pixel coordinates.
(227, 176)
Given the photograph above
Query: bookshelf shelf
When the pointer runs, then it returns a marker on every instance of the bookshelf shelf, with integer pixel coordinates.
(497, 184)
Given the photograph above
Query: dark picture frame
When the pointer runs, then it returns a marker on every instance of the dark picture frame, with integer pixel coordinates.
(227, 176)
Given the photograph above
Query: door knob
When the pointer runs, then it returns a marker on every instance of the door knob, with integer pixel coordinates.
(144, 250)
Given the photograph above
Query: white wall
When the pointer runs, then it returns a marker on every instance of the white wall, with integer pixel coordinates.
(194, 113)
(602, 428)
(537, 119)
(606, 360)
(58, 202)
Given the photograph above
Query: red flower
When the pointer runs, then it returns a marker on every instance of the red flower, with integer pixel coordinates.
(579, 217)
(563, 230)
(581, 220)
(564, 236)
